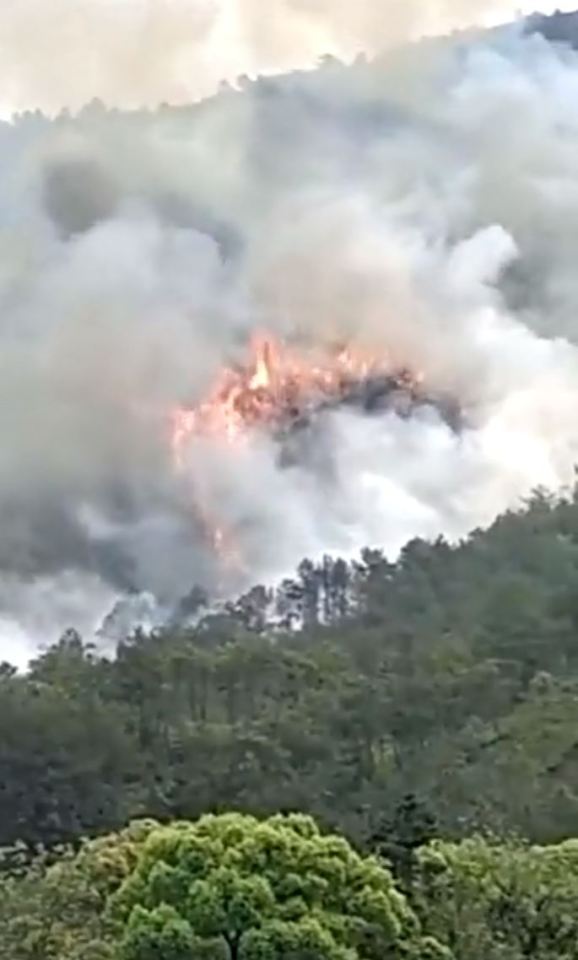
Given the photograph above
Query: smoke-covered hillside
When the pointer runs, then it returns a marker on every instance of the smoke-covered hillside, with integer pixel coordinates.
(418, 211)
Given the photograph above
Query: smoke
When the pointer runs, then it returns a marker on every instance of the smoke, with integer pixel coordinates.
(424, 206)
(129, 53)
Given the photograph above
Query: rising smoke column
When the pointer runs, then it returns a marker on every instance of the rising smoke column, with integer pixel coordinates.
(422, 207)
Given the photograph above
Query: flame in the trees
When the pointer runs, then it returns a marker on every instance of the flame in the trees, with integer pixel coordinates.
(278, 385)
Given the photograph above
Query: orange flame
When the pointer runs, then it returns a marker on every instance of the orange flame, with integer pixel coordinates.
(277, 384)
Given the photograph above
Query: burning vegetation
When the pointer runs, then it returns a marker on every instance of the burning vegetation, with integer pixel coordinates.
(277, 391)
(280, 387)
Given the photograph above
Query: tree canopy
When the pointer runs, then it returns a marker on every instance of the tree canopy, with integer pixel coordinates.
(450, 676)
(55, 907)
(250, 889)
(236, 886)
(412, 707)
(491, 899)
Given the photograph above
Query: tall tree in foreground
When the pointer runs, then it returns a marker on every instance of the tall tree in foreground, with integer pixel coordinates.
(237, 888)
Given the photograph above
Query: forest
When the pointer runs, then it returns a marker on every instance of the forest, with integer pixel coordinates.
(412, 723)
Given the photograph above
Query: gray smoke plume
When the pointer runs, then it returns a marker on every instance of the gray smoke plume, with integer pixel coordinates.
(420, 206)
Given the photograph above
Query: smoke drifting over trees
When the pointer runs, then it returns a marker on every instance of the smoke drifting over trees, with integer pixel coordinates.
(423, 205)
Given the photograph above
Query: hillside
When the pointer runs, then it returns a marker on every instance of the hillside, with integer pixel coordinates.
(451, 676)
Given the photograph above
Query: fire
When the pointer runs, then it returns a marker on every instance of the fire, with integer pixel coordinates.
(277, 386)
(264, 365)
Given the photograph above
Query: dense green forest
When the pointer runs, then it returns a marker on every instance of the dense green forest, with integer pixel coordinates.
(451, 676)
(425, 710)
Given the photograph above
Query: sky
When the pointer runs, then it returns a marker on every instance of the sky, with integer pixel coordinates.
(64, 53)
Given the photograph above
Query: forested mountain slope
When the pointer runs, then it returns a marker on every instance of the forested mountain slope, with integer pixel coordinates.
(450, 676)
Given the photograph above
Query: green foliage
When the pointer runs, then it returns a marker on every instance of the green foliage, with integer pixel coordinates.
(55, 908)
(233, 887)
(507, 901)
(450, 676)
(245, 889)
(67, 758)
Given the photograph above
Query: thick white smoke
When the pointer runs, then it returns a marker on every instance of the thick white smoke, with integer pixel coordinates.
(425, 204)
